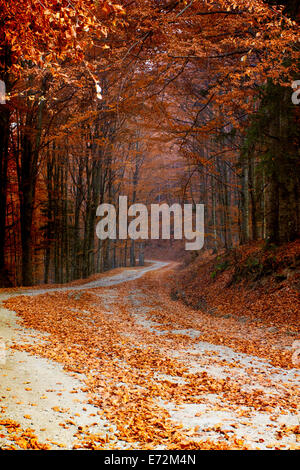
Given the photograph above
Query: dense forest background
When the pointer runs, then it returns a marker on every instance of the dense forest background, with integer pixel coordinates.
(162, 101)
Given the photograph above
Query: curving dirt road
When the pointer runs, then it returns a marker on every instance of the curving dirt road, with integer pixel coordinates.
(194, 389)
(48, 386)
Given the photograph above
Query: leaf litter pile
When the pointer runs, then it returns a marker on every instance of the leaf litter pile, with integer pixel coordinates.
(161, 373)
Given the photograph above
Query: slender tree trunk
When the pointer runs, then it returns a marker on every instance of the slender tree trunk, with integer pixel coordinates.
(4, 140)
(27, 183)
(5, 59)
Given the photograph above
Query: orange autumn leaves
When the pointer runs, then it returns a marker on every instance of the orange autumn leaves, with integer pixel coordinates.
(120, 375)
(21, 439)
(46, 33)
(121, 362)
(232, 286)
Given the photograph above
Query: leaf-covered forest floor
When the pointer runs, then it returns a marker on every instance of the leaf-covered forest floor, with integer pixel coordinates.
(131, 362)
(250, 281)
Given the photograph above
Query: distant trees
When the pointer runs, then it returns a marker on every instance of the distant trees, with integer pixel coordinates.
(189, 102)
(271, 153)
(270, 158)
(39, 41)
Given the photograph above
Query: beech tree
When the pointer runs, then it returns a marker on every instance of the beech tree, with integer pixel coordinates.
(162, 101)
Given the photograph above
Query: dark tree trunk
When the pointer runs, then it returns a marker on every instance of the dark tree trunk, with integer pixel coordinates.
(5, 60)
